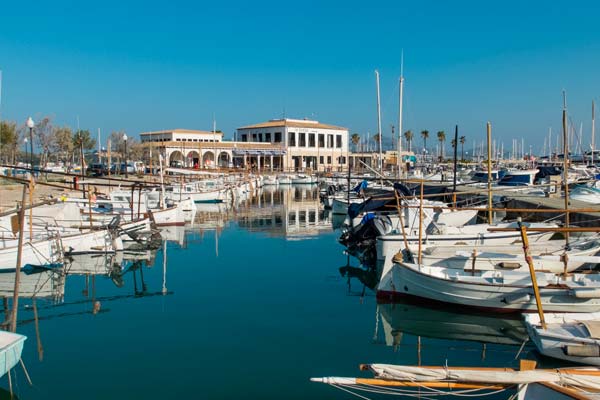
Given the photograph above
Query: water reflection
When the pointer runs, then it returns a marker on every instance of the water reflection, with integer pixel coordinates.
(292, 211)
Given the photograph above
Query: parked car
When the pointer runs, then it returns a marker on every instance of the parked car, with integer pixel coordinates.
(97, 170)
(128, 168)
(177, 164)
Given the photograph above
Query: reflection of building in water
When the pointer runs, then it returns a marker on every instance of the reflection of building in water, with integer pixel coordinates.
(291, 211)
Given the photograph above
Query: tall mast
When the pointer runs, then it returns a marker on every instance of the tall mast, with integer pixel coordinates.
(565, 164)
(0, 111)
(379, 123)
(593, 130)
(401, 94)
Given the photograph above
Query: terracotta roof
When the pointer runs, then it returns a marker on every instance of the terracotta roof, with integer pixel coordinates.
(292, 123)
(182, 131)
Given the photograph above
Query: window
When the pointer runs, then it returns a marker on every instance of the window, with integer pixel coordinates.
(321, 158)
(179, 140)
(268, 137)
(328, 159)
(292, 139)
(330, 141)
(254, 137)
(277, 137)
(303, 140)
(311, 140)
(321, 140)
(342, 160)
(338, 141)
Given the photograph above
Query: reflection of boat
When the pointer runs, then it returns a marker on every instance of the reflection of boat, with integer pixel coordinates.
(443, 323)
(43, 283)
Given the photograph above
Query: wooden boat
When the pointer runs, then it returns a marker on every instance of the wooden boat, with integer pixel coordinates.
(501, 291)
(11, 347)
(570, 337)
(433, 381)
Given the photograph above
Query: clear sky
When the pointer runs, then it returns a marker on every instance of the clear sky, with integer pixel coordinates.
(145, 65)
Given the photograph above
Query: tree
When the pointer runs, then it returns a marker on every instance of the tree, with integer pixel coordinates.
(9, 140)
(63, 142)
(409, 137)
(462, 140)
(44, 135)
(425, 136)
(355, 138)
(441, 135)
(376, 138)
(83, 140)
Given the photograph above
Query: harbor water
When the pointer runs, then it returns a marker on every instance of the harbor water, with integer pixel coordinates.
(249, 301)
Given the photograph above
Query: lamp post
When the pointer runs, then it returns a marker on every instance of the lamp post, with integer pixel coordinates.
(26, 155)
(30, 125)
(126, 156)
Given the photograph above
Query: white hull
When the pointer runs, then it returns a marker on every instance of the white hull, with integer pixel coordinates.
(495, 290)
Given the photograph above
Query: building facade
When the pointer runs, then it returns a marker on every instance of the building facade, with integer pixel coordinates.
(308, 144)
(189, 148)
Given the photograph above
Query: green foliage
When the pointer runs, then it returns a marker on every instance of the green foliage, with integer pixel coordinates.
(84, 139)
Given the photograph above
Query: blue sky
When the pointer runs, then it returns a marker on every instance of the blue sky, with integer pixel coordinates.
(143, 65)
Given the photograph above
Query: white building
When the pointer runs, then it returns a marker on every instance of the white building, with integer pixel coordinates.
(181, 135)
(307, 143)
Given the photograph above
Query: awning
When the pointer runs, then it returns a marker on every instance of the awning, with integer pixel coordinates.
(254, 152)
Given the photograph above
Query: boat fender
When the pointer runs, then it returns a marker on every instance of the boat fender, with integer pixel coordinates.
(509, 265)
(587, 350)
(586, 293)
(517, 298)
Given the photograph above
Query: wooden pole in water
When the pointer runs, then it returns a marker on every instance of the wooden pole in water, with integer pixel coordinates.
(420, 222)
(536, 289)
(565, 165)
(15, 304)
(489, 168)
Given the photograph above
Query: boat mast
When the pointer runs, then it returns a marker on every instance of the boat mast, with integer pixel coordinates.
(379, 123)
(401, 94)
(565, 164)
(489, 168)
(593, 129)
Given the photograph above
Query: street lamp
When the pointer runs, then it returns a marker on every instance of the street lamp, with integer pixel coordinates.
(30, 125)
(126, 156)
(26, 156)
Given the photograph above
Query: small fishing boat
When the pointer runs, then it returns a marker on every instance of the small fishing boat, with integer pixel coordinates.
(570, 337)
(432, 381)
(499, 291)
(303, 179)
(11, 347)
(284, 179)
(585, 193)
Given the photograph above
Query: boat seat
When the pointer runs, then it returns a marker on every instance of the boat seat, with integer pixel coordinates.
(593, 328)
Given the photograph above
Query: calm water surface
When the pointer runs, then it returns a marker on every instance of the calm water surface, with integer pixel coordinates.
(250, 303)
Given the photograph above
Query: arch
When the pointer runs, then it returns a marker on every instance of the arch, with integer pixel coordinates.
(176, 159)
(193, 158)
(208, 159)
(224, 159)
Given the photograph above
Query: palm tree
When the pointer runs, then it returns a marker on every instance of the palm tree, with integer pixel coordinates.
(355, 140)
(441, 135)
(409, 136)
(376, 140)
(462, 147)
(425, 136)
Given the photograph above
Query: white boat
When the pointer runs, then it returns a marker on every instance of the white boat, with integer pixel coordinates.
(546, 256)
(284, 179)
(303, 179)
(11, 347)
(518, 177)
(573, 337)
(505, 291)
(469, 236)
(340, 205)
(585, 193)
(270, 180)
(435, 381)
